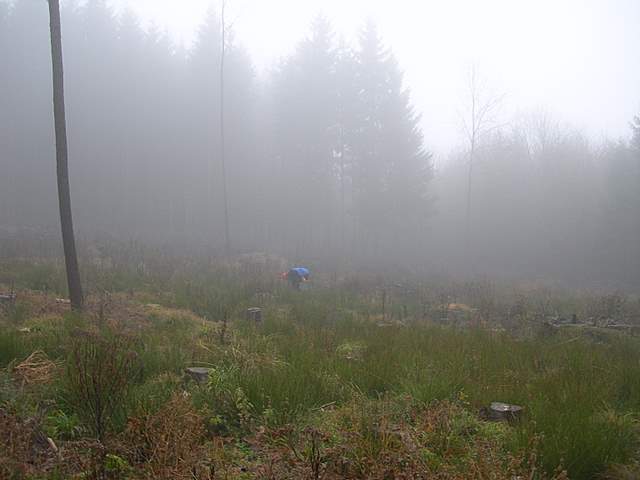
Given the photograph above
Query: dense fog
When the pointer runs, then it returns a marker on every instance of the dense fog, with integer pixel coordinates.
(326, 161)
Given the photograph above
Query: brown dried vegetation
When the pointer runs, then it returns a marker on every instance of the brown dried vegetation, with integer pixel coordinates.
(23, 446)
(441, 442)
(35, 369)
(169, 443)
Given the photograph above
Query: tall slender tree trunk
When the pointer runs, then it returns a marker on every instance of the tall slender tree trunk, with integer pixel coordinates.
(342, 195)
(480, 123)
(467, 235)
(473, 136)
(64, 196)
(227, 236)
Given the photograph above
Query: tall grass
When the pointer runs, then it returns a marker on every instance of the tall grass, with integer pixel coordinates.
(580, 397)
(332, 346)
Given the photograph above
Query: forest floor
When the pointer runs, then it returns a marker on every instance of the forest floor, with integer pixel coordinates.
(356, 377)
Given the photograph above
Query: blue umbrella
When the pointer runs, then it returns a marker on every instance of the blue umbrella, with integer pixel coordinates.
(302, 271)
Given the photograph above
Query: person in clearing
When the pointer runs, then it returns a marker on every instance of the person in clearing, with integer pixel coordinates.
(296, 276)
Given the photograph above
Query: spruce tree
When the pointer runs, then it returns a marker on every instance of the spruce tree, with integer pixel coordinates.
(306, 134)
(392, 168)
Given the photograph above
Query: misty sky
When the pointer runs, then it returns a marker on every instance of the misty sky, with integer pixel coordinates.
(576, 59)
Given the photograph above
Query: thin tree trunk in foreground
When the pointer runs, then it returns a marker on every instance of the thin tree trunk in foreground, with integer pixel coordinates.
(64, 196)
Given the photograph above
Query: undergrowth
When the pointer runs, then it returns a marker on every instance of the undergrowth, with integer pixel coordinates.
(334, 383)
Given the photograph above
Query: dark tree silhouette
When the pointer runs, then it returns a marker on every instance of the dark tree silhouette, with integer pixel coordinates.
(392, 169)
(64, 196)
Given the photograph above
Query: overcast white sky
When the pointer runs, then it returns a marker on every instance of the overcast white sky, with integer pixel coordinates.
(578, 59)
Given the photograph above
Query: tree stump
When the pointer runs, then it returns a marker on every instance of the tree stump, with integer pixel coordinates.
(502, 412)
(8, 298)
(254, 314)
(7, 301)
(199, 374)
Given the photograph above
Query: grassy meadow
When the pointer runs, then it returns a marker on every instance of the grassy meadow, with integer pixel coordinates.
(359, 376)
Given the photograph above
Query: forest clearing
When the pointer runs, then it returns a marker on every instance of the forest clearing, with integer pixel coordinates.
(357, 377)
(319, 240)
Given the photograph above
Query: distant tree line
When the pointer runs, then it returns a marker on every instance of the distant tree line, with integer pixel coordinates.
(548, 203)
(325, 156)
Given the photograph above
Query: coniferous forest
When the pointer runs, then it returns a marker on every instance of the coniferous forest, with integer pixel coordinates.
(326, 158)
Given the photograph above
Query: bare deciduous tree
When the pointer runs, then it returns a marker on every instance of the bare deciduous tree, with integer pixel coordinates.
(64, 196)
(478, 121)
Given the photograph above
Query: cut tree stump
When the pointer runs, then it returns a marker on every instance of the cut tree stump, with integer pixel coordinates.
(8, 298)
(7, 301)
(199, 374)
(502, 412)
(254, 314)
